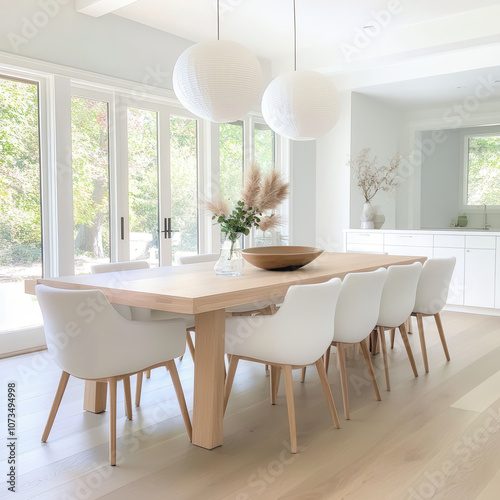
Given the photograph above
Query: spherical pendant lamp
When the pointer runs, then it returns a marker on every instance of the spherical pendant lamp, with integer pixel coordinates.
(218, 80)
(301, 105)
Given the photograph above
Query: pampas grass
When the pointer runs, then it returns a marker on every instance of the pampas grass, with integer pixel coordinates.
(261, 193)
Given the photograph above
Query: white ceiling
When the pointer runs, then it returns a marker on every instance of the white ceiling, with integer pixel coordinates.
(266, 26)
(327, 31)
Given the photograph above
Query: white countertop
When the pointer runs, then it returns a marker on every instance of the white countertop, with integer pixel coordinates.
(451, 230)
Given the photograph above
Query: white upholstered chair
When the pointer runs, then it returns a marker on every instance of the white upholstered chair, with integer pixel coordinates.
(296, 336)
(89, 340)
(141, 313)
(396, 306)
(432, 293)
(355, 317)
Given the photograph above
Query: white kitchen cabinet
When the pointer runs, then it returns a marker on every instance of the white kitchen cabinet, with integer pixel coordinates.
(456, 293)
(476, 278)
(479, 283)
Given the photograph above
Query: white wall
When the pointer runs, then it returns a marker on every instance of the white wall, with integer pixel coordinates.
(377, 126)
(442, 188)
(109, 45)
(333, 180)
(303, 182)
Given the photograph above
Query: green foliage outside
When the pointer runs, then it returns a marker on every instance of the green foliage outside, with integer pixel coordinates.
(231, 161)
(484, 171)
(90, 165)
(20, 213)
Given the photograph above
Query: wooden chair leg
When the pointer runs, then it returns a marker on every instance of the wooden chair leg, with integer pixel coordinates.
(112, 420)
(138, 389)
(371, 371)
(381, 333)
(343, 378)
(327, 358)
(174, 375)
(439, 325)
(291, 407)
(267, 370)
(190, 344)
(420, 324)
(148, 373)
(303, 374)
(128, 397)
(63, 382)
(275, 382)
(393, 337)
(233, 364)
(328, 392)
(374, 341)
(409, 326)
(406, 342)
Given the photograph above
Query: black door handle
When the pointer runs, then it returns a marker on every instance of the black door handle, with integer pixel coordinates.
(167, 227)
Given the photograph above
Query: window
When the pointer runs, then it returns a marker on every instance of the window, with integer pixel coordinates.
(90, 164)
(20, 203)
(231, 161)
(142, 133)
(482, 170)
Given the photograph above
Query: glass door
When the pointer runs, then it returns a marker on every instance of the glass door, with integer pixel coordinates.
(20, 202)
(161, 221)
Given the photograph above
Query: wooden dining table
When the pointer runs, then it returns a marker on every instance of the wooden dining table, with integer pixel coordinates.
(196, 289)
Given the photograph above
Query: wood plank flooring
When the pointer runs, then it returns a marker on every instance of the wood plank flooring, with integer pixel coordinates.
(419, 442)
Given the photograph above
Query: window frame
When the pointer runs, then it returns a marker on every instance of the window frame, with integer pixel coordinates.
(464, 178)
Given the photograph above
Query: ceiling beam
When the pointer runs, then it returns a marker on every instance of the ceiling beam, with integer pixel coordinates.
(98, 8)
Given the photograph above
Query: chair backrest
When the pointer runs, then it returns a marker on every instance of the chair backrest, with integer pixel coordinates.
(119, 266)
(302, 329)
(136, 313)
(88, 339)
(434, 285)
(398, 294)
(358, 305)
(195, 259)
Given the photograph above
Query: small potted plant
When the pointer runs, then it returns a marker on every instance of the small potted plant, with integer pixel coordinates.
(372, 178)
(261, 195)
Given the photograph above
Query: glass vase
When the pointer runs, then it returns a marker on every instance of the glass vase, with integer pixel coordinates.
(231, 260)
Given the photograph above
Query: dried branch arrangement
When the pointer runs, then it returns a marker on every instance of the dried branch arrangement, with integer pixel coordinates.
(372, 178)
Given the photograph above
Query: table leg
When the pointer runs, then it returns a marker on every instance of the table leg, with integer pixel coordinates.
(95, 396)
(208, 404)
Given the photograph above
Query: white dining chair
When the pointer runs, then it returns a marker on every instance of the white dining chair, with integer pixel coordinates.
(432, 294)
(141, 313)
(355, 317)
(396, 306)
(296, 336)
(89, 340)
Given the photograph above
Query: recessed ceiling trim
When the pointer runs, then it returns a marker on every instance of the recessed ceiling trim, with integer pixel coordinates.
(98, 8)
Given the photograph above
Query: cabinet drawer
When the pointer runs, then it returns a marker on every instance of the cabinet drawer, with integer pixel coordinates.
(409, 240)
(486, 242)
(409, 251)
(365, 237)
(361, 247)
(449, 241)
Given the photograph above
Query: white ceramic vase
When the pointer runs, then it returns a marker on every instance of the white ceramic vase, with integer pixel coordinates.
(367, 215)
(378, 217)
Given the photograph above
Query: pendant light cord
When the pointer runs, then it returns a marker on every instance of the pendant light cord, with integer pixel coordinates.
(294, 37)
(218, 21)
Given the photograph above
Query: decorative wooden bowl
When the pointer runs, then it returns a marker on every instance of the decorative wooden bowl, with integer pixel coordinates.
(281, 258)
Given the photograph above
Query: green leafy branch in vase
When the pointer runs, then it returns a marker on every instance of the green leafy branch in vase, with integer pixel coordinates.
(261, 195)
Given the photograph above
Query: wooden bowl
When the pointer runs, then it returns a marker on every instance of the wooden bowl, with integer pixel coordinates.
(281, 258)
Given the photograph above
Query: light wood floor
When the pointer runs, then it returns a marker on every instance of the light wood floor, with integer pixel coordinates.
(437, 436)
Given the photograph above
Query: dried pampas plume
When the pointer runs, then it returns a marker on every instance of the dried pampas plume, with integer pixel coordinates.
(269, 222)
(218, 207)
(273, 191)
(251, 189)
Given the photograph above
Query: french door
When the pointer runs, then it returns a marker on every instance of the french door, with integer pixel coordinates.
(157, 183)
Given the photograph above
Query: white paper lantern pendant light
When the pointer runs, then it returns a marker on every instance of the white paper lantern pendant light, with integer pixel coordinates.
(218, 80)
(301, 105)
